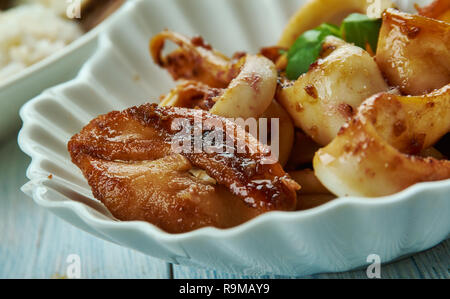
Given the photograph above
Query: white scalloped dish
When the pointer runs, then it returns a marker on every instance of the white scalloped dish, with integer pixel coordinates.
(337, 236)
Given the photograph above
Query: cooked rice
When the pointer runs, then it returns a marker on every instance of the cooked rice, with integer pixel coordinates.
(59, 6)
(30, 33)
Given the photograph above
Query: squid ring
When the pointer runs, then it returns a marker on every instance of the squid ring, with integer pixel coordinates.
(251, 92)
(326, 97)
(375, 153)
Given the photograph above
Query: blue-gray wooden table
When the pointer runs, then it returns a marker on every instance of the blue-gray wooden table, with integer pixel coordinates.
(35, 244)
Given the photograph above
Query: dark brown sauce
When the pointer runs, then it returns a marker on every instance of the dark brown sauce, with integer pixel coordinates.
(311, 91)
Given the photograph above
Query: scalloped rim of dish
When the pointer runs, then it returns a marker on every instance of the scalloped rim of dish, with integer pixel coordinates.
(36, 190)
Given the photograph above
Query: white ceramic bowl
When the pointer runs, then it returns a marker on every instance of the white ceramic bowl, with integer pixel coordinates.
(63, 65)
(337, 236)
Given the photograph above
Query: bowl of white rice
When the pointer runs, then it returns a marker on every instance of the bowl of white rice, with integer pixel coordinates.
(40, 46)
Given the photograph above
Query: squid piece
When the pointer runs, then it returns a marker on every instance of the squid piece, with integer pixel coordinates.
(194, 60)
(309, 182)
(163, 192)
(303, 150)
(193, 95)
(375, 153)
(243, 90)
(251, 92)
(414, 52)
(324, 98)
(132, 166)
(316, 12)
(274, 53)
(285, 137)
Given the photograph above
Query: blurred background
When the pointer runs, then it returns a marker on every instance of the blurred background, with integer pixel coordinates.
(34, 35)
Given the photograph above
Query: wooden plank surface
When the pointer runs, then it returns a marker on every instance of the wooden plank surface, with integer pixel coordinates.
(35, 244)
(433, 263)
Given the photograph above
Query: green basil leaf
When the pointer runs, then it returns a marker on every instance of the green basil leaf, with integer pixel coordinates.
(307, 48)
(361, 30)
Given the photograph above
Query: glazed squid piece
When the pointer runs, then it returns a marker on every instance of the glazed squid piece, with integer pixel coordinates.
(132, 167)
(326, 97)
(194, 60)
(303, 150)
(248, 84)
(193, 95)
(286, 132)
(376, 153)
(414, 52)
